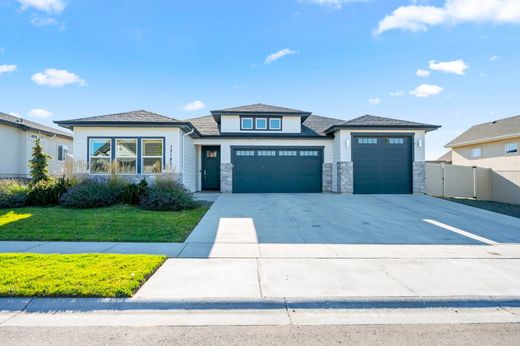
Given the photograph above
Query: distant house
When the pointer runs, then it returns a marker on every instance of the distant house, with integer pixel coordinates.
(491, 145)
(17, 136)
(445, 158)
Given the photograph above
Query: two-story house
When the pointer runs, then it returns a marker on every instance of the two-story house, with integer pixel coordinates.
(257, 148)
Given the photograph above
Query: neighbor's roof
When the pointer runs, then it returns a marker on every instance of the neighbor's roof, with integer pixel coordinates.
(494, 130)
(259, 108)
(447, 157)
(11, 120)
(374, 122)
(313, 126)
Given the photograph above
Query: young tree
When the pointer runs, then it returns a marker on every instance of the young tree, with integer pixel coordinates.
(38, 163)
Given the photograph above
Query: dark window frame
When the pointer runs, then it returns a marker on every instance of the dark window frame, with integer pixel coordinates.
(268, 122)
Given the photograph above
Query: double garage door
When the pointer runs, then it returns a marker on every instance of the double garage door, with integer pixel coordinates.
(277, 169)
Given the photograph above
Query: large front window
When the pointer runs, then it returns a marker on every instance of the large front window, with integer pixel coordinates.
(126, 156)
(152, 156)
(100, 156)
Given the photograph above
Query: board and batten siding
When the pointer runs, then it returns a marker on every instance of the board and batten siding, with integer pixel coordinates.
(231, 123)
(189, 175)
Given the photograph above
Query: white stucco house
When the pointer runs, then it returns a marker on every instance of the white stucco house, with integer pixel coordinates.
(17, 136)
(257, 148)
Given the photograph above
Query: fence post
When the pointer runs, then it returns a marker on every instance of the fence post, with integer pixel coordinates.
(474, 182)
(443, 180)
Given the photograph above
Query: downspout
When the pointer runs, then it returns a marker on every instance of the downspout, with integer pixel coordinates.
(186, 134)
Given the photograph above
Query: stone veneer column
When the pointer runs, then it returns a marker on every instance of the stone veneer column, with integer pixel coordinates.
(226, 177)
(345, 172)
(327, 177)
(419, 177)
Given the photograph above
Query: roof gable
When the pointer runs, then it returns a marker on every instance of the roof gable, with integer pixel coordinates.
(372, 121)
(506, 127)
(259, 108)
(27, 124)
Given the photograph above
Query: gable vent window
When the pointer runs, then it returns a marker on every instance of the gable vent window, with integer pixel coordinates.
(246, 123)
(261, 123)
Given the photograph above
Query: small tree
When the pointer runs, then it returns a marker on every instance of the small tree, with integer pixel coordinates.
(38, 163)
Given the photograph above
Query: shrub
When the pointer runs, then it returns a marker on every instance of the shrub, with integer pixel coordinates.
(167, 195)
(132, 193)
(48, 191)
(13, 193)
(38, 163)
(91, 194)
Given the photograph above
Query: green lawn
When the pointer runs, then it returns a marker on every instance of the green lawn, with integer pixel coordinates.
(117, 223)
(102, 275)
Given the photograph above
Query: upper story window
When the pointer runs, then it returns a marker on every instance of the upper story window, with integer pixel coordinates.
(262, 123)
(476, 153)
(511, 148)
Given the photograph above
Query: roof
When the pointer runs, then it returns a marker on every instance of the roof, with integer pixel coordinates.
(372, 121)
(25, 124)
(446, 157)
(259, 108)
(313, 126)
(494, 130)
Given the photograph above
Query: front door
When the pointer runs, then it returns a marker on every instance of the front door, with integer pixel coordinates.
(210, 168)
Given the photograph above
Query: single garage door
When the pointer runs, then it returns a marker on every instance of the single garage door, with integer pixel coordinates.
(277, 169)
(382, 164)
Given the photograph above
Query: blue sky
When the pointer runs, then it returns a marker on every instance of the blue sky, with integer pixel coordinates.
(63, 59)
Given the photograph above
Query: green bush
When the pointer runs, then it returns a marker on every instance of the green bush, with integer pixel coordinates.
(48, 191)
(13, 193)
(132, 193)
(92, 194)
(167, 195)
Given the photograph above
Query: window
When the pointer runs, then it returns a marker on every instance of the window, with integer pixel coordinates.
(367, 140)
(261, 123)
(511, 148)
(62, 152)
(246, 123)
(245, 153)
(476, 152)
(266, 153)
(152, 156)
(275, 124)
(394, 140)
(211, 153)
(126, 156)
(288, 153)
(309, 153)
(100, 156)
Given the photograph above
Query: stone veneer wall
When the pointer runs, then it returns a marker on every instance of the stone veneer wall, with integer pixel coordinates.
(419, 177)
(130, 178)
(226, 177)
(327, 177)
(345, 173)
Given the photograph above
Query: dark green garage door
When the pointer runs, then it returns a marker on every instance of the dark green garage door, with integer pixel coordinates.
(382, 164)
(277, 170)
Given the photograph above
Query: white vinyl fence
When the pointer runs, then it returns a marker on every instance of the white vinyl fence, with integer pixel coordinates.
(472, 182)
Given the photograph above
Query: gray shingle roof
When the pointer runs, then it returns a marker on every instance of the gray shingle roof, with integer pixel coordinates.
(27, 124)
(132, 116)
(313, 126)
(259, 108)
(447, 157)
(372, 121)
(488, 131)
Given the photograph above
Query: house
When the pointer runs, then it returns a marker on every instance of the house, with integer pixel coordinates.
(257, 148)
(17, 136)
(445, 158)
(490, 145)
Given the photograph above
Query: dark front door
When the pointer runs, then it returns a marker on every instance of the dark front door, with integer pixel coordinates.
(382, 163)
(210, 168)
(278, 169)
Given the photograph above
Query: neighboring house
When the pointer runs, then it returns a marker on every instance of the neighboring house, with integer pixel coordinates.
(257, 148)
(17, 137)
(490, 145)
(445, 158)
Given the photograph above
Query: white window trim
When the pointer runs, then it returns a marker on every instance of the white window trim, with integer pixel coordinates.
(63, 154)
(266, 124)
(152, 157)
(275, 128)
(126, 157)
(513, 153)
(242, 127)
(474, 156)
(90, 156)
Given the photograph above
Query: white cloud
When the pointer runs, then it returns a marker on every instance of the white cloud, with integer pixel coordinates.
(336, 4)
(426, 90)
(43, 21)
(397, 93)
(418, 18)
(456, 66)
(422, 73)
(57, 78)
(7, 68)
(193, 106)
(494, 57)
(374, 101)
(49, 6)
(277, 55)
(39, 113)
